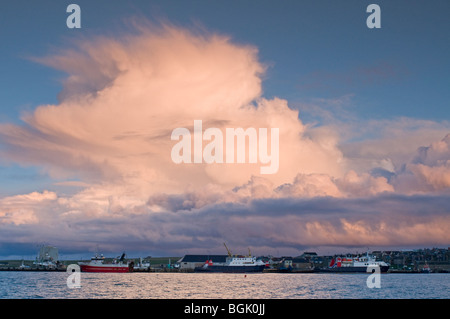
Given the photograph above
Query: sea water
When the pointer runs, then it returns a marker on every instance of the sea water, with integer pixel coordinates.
(53, 285)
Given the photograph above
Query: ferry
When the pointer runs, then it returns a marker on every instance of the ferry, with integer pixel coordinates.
(97, 264)
(233, 264)
(356, 264)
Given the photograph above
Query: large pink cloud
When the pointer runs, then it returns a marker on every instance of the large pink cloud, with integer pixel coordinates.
(123, 97)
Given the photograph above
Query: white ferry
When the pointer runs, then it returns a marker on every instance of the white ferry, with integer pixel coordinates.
(233, 264)
(356, 264)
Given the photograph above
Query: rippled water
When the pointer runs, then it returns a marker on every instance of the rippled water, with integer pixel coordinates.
(20, 285)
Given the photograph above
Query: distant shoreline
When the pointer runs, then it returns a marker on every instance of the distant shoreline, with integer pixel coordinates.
(435, 260)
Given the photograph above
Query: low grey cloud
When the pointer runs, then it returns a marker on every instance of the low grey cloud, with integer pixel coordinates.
(262, 224)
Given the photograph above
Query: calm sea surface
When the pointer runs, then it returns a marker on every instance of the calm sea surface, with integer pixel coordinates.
(49, 285)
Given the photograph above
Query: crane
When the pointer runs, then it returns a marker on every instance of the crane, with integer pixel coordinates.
(228, 251)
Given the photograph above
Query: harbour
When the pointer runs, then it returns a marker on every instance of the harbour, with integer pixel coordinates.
(432, 260)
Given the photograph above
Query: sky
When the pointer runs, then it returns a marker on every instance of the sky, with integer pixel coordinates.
(87, 117)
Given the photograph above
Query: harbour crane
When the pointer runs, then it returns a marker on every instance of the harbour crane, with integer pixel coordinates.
(228, 251)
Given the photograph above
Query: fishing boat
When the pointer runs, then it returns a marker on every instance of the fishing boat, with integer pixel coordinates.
(426, 269)
(97, 264)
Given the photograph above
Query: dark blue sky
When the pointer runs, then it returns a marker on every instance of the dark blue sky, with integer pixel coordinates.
(315, 49)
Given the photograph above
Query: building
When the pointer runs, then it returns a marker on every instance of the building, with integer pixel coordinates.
(309, 254)
(189, 262)
(301, 263)
(48, 257)
(48, 253)
(286, 263)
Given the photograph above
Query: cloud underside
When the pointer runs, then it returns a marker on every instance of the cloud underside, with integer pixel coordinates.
(112, 129)
(263, 224)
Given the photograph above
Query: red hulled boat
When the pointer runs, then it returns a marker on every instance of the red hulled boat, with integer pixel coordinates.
(97, 265)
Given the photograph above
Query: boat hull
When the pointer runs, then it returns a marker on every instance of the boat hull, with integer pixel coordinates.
(106, 268)
(352, 269)
(231, 269)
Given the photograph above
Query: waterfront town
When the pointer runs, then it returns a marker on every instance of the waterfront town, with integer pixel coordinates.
(434, 260)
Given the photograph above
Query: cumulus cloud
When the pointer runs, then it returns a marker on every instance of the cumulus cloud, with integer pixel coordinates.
(428, 171)
(310, 185)
(123, 97)
(21, 209)
(387, 143)
(364, 184)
